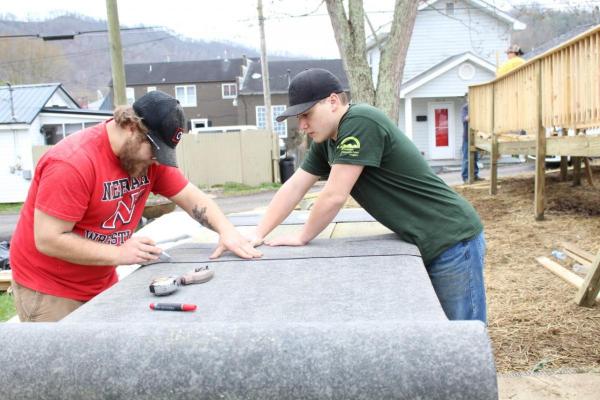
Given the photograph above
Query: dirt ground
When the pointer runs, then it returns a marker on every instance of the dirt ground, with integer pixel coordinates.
(534, 322)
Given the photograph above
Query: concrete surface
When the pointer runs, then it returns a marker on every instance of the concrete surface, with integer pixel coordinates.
(583, 386)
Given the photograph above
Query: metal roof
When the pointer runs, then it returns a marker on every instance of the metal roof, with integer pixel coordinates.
(281, 72)
(224, 70)
(22, 103)
(557, 41)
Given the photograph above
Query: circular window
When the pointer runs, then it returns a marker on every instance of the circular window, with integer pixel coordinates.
(466, 71)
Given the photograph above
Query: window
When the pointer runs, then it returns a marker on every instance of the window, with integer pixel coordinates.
(279, 127)
(130, 94)
(229, 90)
(449, 8)
(150, 89)
(186, 95)
(199, 123)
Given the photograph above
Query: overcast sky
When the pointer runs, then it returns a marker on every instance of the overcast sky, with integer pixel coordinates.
(287, 30)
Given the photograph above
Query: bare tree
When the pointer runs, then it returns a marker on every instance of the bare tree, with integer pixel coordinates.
(349, 29)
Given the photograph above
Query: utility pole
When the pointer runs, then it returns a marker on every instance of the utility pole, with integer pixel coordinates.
(116, 53)
(267, 95)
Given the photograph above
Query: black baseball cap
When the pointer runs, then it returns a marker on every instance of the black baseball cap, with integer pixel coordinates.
(307, 89)
(163, 116)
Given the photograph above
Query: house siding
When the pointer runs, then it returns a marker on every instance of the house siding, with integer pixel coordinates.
(450, 84)
(437, 36)
(209, 102)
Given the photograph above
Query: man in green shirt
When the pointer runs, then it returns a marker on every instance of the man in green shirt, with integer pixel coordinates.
(363, 153)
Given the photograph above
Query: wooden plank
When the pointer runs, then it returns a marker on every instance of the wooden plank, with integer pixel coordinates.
(584, 255)
(583, 146)
(586, 296)
(570, 277)
(5, 280)
(577, 258)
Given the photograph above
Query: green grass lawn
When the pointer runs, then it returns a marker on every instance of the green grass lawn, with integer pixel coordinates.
(10, 208)
(7, 307)
(239, 189)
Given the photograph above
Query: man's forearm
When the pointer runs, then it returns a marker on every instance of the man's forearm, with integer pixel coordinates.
(323, 212)
(279, 208)
(73, 248)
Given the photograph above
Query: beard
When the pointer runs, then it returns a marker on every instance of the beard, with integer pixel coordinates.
(134, 167)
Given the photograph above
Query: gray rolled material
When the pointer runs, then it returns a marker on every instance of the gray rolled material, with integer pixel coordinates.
(353, 318)
(390, 360)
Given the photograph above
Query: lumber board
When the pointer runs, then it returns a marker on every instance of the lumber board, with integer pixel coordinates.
(586, 296)
(584, 255)
(570, 277)
(5, 280)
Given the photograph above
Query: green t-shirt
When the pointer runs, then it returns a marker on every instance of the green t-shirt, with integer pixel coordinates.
(397, 186)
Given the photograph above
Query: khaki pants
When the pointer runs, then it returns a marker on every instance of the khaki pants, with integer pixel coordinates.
(35, 306)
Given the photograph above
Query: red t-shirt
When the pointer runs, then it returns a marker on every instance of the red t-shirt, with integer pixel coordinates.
(80, 180)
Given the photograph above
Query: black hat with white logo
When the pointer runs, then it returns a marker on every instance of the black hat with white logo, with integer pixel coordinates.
(307, 89)
(163, 116)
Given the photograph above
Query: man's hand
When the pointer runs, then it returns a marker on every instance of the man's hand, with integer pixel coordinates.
(233, 241)
(137, 250)
(290, 240)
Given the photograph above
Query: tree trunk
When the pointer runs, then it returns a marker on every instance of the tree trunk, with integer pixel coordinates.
(393, 57)
(350, 37)
(349, 33)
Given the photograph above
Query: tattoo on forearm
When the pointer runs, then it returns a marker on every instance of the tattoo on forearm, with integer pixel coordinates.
(199, 215)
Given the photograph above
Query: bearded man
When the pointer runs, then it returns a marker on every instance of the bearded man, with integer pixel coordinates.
(86, 199)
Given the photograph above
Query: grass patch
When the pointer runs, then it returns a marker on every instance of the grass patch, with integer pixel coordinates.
(239, 189)
(7, 307)
(10, 208)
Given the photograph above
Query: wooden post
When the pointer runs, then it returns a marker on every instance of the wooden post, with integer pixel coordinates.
(586, 296)
(494, 165)
(267, 95)
(494, 152)
(588, 171)
(576, 171)
(116, 54)
(471, 153)
(540, 154)
(564, 163)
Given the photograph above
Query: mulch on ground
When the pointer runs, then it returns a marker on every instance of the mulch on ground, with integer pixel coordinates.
(534, 322)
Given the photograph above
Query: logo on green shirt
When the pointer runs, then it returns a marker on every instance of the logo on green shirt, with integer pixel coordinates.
(350, 146)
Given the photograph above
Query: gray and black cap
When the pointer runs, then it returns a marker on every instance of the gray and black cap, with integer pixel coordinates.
(164, 118)
(307, 89)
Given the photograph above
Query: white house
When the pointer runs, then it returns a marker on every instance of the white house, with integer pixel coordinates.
(454, 44)
(33, 115)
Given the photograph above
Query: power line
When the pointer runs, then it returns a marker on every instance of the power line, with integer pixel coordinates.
(71, 34)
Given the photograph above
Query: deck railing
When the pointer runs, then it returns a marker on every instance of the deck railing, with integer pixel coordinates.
(549, 105)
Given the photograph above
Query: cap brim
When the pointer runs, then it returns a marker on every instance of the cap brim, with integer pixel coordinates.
(165, 155)
(296, 110)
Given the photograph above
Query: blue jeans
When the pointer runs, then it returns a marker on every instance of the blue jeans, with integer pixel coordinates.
(457, 277)
(464, 171)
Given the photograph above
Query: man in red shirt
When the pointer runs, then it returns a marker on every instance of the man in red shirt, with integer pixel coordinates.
(87, 198)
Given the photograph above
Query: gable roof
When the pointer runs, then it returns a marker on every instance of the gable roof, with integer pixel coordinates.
(222, 70)
(281, 73)
(429, 4)
(487, 8)
(441, 68)
(27, 101)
